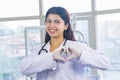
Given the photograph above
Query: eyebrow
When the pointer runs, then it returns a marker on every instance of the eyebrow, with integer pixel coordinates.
(54, 19)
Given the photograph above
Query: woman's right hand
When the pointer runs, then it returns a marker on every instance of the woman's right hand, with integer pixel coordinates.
(57, 54)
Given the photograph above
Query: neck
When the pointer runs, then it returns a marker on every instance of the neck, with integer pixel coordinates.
(55, 43)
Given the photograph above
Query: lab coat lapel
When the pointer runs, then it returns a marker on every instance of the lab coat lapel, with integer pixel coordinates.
(62, 44)
(47, 47)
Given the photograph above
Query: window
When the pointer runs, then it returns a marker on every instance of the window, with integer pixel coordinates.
(12, 48)
(82, 26)
(73, 6)
(107, 4)
(108, 38)
(15, 8)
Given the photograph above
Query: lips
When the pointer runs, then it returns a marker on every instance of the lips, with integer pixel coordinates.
(52, 30)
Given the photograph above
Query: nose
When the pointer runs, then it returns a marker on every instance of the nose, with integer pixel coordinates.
(52, 24)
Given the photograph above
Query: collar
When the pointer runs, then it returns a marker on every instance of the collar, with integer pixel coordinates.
(47, 47)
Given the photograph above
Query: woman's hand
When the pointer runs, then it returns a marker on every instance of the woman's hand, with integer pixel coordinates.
(57, 54)
(73, 53)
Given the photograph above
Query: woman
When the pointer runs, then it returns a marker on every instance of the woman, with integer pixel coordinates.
(61, 57)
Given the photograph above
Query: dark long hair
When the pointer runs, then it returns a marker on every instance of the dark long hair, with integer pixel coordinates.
(63, 13)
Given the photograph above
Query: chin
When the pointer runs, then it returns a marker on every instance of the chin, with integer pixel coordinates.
(53, 36)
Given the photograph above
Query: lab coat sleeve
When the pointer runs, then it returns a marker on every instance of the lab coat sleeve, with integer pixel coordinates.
(93, 58)
(37, 63)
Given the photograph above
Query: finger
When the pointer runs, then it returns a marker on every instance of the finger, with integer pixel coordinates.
(69, 50)
(70, 57)
(59, 51)
(64, 49)
(61, 59)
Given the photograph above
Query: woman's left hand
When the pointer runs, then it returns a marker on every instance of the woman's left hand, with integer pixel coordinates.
(73, 53)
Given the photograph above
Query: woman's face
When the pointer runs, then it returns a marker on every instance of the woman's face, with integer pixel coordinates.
(55, 25)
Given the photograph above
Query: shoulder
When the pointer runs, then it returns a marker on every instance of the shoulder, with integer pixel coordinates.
(38, 46)
(75, 43)
(70, 42)
(36, 49)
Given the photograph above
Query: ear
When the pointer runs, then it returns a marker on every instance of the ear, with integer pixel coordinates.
(66, 27)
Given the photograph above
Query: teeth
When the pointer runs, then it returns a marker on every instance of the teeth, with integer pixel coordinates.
(52, 30)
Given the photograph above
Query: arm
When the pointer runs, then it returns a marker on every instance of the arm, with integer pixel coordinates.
(37, 63)
(93, 58)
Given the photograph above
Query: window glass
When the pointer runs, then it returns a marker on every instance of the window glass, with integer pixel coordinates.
(82, 26)
(109, 35)
(73, 6)
(12, 48)
(13, 8)
(107, 4)
(34, 36)
(108, 40)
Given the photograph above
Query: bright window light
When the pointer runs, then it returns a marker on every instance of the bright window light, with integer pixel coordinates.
(73, 6)
(13, 8)
(107, 4)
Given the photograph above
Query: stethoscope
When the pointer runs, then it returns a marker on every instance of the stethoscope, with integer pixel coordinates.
(42, 48)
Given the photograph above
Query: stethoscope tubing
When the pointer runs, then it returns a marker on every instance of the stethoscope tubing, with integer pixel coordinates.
(42, 48)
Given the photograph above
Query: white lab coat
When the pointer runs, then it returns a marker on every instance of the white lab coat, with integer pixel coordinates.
(46, 68)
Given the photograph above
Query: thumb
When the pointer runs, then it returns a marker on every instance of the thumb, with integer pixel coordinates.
(69, 50)
(61, 59)
(70, 57)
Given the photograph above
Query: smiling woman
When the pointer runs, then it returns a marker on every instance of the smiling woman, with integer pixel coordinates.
(53, 25)
(64, 54)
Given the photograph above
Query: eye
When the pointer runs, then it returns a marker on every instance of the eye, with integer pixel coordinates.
(48, 21)
(56, 21)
